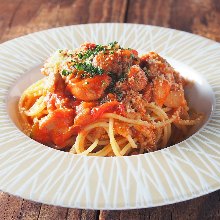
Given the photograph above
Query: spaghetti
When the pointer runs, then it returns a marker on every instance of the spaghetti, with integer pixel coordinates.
(104, 100)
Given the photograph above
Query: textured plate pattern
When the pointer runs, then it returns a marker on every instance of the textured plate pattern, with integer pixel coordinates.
(181, 172)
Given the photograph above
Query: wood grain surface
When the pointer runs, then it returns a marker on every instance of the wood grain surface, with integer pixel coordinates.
(20, 17)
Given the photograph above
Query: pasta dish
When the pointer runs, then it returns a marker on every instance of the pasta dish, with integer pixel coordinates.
(105, 100)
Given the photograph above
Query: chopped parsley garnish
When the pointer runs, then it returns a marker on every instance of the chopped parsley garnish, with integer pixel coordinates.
(66, 72)
(112, 86)
(88, 54)
(91, 52)
(90, 70)
(80, 56)
(112, 44)
(99, 48)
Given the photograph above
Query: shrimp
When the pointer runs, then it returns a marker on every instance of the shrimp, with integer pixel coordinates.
(83, 111)
(54, 128)
(89, 89)
(176, 97)
(161, 90)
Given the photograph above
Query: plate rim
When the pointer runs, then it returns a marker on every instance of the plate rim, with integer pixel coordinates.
(104, 24)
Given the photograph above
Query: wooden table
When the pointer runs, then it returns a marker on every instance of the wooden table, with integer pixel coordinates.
(19, 17)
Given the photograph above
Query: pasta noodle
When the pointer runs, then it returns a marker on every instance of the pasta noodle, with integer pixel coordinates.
(105, 100)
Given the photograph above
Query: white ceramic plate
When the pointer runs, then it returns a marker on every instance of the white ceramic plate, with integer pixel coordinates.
(181, 172)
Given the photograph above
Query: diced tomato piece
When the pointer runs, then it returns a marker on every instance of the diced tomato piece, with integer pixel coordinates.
(87, 115)
(97, 112)
(134, 52)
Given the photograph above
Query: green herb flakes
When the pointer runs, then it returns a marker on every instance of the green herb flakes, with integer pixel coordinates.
(80, 56)
(66, 72)
(89, 69)
(112, 44)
